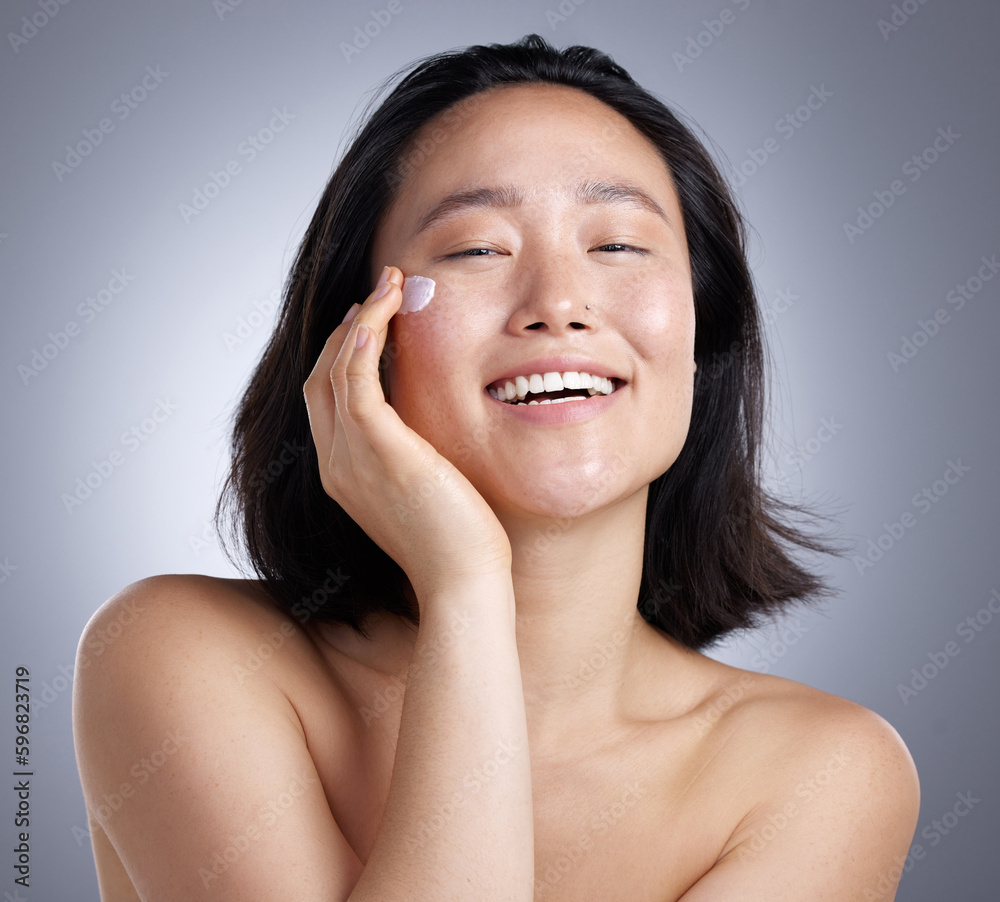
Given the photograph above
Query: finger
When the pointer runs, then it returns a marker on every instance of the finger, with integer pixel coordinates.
(319, 387)
(357, 363)
(318, 390)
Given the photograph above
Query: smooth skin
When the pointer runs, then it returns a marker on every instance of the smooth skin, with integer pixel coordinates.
(535, 738)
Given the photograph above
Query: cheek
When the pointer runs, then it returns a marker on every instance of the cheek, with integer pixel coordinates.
(425, 349)
(660, 319)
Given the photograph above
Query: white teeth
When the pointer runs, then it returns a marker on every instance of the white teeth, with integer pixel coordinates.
(552, 382)
(601, 385)
(516, 390)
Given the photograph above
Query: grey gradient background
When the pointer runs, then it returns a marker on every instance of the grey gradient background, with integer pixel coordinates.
(837, 308)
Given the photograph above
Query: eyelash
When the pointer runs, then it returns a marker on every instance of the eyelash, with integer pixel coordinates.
(472, 252)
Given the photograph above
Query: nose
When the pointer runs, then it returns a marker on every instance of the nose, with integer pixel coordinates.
(551, 298)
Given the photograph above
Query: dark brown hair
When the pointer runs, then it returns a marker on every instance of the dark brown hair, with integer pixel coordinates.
(717, 545)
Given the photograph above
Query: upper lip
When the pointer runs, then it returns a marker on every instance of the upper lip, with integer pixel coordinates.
(559, 365)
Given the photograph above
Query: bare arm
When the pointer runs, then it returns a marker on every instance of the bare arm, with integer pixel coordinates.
(458, 819)
(458, 822)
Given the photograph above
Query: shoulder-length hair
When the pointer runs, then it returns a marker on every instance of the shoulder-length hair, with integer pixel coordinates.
(717, 544)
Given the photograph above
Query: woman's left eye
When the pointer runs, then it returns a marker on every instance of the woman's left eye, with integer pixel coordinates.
(474, 252)
(615, 248)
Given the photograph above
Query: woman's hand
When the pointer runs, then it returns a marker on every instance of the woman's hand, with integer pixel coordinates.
(410, 500)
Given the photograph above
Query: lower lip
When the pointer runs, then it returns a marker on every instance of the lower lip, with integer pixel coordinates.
(565, 412)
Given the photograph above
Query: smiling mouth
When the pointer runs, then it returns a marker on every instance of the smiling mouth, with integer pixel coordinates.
(552, 388)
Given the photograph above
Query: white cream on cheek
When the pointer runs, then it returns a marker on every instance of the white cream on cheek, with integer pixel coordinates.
(417, 293)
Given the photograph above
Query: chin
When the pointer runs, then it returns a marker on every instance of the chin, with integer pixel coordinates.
(561, 493)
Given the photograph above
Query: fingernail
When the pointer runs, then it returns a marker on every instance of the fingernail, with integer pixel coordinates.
(382, 278)
(353, 312)
(361, 337)
(417, 293)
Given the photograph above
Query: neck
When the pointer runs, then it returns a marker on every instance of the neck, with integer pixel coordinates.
(581, 641)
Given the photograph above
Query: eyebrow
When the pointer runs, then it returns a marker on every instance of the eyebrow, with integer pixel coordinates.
(507, 197)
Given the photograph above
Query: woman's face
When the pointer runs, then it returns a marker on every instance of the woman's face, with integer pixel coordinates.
(525, 205)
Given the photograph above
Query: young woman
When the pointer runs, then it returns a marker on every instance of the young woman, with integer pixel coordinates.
(470, 666)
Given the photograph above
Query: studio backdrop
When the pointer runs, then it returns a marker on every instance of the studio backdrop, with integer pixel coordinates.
(160, 162)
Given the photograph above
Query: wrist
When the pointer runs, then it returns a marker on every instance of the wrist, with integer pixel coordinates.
(487, 594)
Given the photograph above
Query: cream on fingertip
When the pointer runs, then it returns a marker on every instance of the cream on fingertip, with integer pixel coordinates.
(417, 293)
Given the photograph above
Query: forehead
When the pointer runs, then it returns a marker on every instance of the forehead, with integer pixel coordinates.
(546, 139)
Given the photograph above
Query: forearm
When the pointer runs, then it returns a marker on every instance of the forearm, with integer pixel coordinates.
(458, 818)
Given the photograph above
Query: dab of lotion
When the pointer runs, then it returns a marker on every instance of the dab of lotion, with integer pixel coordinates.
(417, 293)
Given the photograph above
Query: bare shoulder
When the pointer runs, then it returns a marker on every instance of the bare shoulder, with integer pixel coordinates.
(169, 602)
(187, 733)
(832, 794)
